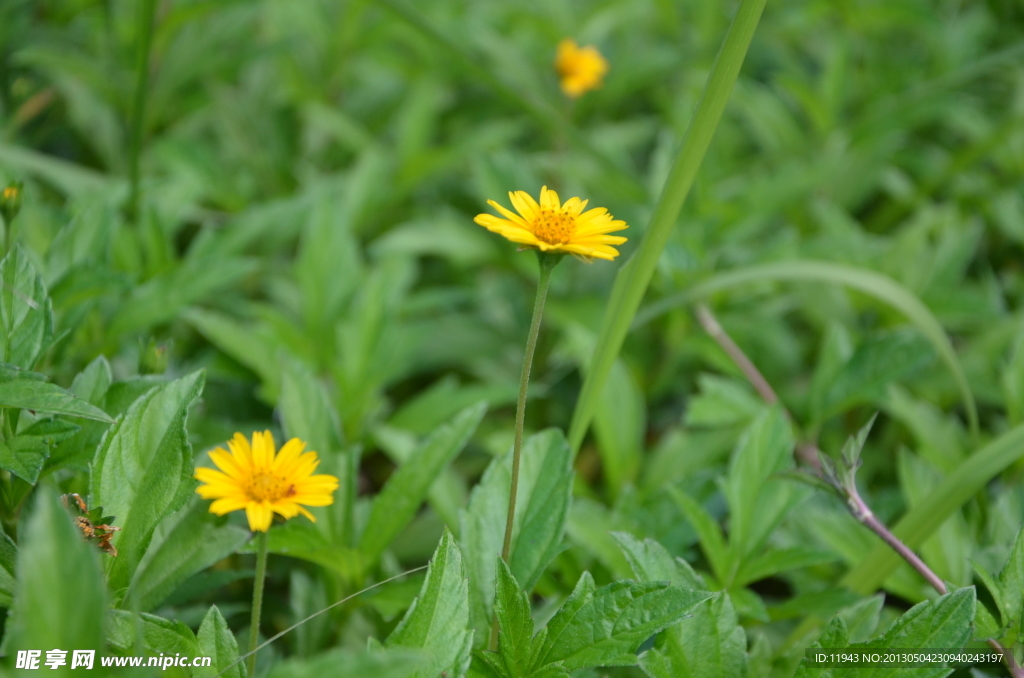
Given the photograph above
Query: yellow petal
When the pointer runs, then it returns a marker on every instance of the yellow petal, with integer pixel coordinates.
(524, 204)
(259, 515)
(508, 214)
(228, 504)
(286, 459)
(240, 448)
(227, 463)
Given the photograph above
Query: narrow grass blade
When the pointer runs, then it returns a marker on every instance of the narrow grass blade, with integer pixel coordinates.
(875, 284)
(633, 278)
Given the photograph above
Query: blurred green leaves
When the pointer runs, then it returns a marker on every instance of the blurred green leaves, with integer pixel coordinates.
(143, 469)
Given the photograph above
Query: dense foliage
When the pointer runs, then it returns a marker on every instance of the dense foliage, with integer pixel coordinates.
(259, 215)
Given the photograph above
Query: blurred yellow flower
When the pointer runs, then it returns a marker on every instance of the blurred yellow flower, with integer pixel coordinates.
(555, 227)
(581, 69)
(256, 479)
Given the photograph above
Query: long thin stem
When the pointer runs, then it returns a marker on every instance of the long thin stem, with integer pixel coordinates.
(547, 263)
(147, 10)
(750, 371)
(858, 507)
(257, 600)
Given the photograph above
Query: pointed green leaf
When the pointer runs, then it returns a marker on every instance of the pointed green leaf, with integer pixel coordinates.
(24, 458)
(184, 543)
(59, 600)
(143, 469)
(515, 625)
(709, 644)
(765, 450)
(1011, 582)
(401, 497)
(158, 634)
(306, 409)
(652, 562)
(709, 533)
(874, 364)
(41, 396)
(542, 505)
(26, 317)
(8, 568)
(218, 643)
(772, 562)
(605, 626)
(437, 623)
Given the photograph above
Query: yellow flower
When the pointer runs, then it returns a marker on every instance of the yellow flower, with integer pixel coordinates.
(256, 479)
(555, 227)
(580, 68)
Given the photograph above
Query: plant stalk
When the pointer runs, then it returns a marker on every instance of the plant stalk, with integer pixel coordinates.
(547, 264)
(257, 601)
(856, 504)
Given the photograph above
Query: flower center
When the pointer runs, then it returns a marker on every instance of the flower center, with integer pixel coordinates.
(554, 227)
(268, 487)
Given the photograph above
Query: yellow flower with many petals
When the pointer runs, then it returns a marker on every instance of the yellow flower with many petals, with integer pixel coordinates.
(581, 69)
(254, 478)
(555, 227)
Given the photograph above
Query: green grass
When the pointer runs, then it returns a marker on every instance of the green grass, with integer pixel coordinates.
(281, 194)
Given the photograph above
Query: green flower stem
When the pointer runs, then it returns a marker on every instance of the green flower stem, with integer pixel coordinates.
(257, 601)
(547, 264)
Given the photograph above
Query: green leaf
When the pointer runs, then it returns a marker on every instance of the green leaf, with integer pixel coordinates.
(346, 664)
(41, 396)
(91, 384)
(306, 409)
(708, 532)
(542, 504)
(604, 626)
(398, 502)
(24, 458)
(877, 362)
(765, 450)
(650, 561)
(248, 343)
(943, 623)
(26, 317)
(721, 402)
(59, 600)
(8, 569)
(770, 563)
(1010, 597)
(164, 296)
(218, 643)
(183, 544)
(158, 634)
(437, 623)
(515, 625)
(143, 469)
(708, 644)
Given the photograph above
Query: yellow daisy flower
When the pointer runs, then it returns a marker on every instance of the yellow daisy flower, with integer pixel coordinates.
(263, 483)
(581, 69)
(555, 227)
